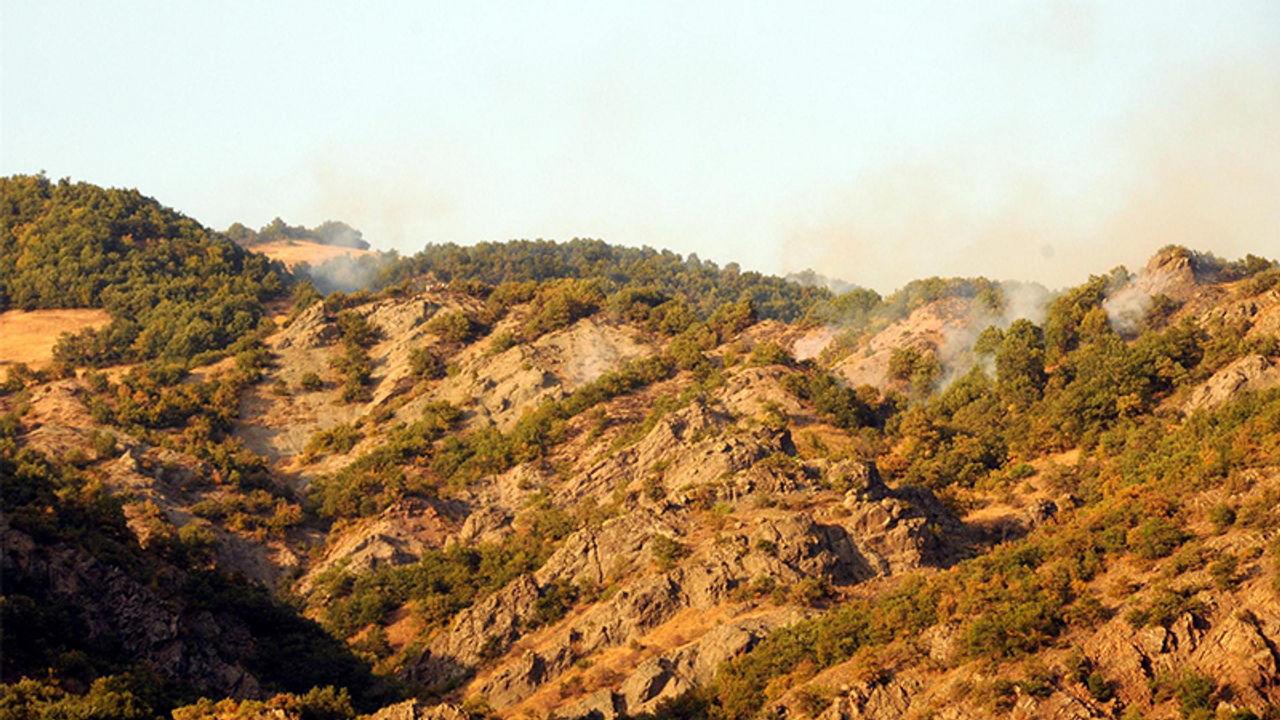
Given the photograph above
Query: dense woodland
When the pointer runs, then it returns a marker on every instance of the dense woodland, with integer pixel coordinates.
(181, 295)
(701, 284)
(173, 288)
(330, 232)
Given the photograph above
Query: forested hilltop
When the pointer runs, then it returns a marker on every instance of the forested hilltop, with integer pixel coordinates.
(538, 479)
(173, 288)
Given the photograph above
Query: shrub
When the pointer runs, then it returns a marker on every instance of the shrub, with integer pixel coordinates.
(1223, 516)
(552, 604)
(311, 382)
(452, 326)
(920, 369)
(770, 353)
(426, 364)
(1099, 688)
(559, 304)
(197, 542)
(1163, 607)
(1223, 571)
(810, 591)
(339, 439)
(501, 342)
(1155, 538)
(103, 443)
(1194, 692)
(666, 551)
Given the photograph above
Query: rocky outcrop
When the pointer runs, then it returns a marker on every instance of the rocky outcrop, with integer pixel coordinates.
(671, 674)
(1249, 373)
(785, 547)
(926, 329)
(488, 627)
(191, 646)
(588, 349)
(497, 389)
(1238, 647)
(417, 710)
(400, 535)
(875, 700)
(879, 531)
(901, 530)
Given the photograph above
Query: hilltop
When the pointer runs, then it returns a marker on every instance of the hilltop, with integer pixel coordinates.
(537, 479)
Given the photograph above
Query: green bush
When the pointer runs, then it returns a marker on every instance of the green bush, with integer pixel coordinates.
(559, 304)
(452, 326)
(426, 364)
(770, 353)
(339, 439)
(666, 551)
(502, 342)
(1194, 693)
(1223, 571)
(1155, 538)
(1223, 516)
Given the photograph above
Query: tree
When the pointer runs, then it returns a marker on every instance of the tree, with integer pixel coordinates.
(1020, 374)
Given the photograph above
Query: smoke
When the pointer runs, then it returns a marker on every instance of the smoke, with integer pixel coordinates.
(1126, 309)
(1197, 165)
(1029, 301)
(346, 273)
(812, 344)
(390, 191)
(1021, 301)
(811, 278)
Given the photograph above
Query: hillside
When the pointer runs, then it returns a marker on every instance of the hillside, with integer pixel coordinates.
(28, 336)
(297, 252)
(581, 481)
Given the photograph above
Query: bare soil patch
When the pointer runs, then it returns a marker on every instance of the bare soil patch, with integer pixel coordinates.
(28, 336)
(295, 252)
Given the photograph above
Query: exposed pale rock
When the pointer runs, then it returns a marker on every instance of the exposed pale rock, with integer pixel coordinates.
(1249, 373)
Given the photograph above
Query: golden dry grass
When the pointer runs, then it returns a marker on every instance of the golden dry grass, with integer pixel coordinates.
(294, 252)
(28, 336)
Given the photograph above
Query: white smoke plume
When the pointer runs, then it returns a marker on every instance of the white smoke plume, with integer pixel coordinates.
(1029, 301)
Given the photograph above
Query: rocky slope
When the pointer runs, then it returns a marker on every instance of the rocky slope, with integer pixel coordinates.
(662, 531)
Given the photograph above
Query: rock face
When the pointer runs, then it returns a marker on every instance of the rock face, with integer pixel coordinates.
(874, 700)
(1250, 373)
(415, 710)
(878, 537)
(498, 388)
(925, 329)
(196, 647)
(400, 535)
(1235, 647)
(668, 676)
(656, 565)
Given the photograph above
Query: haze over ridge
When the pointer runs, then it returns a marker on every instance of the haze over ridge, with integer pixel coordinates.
(1035, 142)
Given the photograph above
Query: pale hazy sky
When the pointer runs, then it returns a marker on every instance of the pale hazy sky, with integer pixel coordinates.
(874, 141)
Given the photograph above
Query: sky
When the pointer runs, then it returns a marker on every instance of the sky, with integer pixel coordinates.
(875, 142)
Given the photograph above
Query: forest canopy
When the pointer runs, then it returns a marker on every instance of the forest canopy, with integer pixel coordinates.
(701, 284)
(174, 288)
(329, 232)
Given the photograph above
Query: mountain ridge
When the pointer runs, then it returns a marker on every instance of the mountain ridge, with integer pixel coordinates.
(577, 480)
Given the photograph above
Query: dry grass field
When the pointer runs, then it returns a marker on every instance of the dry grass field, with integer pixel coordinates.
(293, 252)
(28, 336)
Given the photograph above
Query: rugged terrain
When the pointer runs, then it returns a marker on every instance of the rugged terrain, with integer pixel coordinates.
(459, 501)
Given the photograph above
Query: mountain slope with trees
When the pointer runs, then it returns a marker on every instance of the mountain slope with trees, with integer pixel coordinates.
(542, 479)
